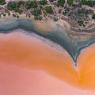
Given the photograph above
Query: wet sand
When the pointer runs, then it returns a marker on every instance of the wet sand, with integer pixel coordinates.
(31, 65)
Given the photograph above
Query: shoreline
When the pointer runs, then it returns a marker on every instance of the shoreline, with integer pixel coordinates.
(73, 44)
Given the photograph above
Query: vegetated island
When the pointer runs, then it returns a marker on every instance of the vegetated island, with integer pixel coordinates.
(73, 21)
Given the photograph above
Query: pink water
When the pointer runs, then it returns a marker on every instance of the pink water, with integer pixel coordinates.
(30, 65)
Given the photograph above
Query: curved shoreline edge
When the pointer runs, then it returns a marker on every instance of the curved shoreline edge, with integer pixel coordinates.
(58, 35)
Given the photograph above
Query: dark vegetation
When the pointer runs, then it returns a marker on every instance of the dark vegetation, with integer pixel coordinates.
(31, 4)
(81, 23)
(88, 2)
(61, 2)
(49, 9)
(70, 2)
(36, 7)
(12, 6)
(93, 16)
(43, 2)
(2, 2)
(36, 12)
(41, 8)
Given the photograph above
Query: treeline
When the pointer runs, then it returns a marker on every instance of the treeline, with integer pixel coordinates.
(35, 7)
(14, 5)
(71, 2)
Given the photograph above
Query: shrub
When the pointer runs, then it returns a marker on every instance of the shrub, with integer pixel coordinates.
(81, 23)
(38, 17)
(49, 9)
(37, 12)
(2, 2)
(12, 6)
(61, 2)
(43, 2)
(70, 2)
(88, 2)
(93, 16)
(31, 4)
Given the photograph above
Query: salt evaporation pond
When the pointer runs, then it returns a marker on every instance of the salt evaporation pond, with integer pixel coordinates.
(32, 65)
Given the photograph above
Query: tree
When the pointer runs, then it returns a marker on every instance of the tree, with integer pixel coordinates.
(70, 2)
(16, 6)
(43, 2)
(37, 12)
(93, 16)
(88, 2)
(49, 9)
(2, 2)
(20, 3)
(38, 17)
(81, 23)
(4, 14)
(61, 2)
(31, 4)
(12, 6)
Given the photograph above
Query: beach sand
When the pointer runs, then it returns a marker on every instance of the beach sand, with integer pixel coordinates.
(31, 65)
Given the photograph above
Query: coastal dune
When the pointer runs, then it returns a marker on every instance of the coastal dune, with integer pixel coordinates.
(32, 65)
